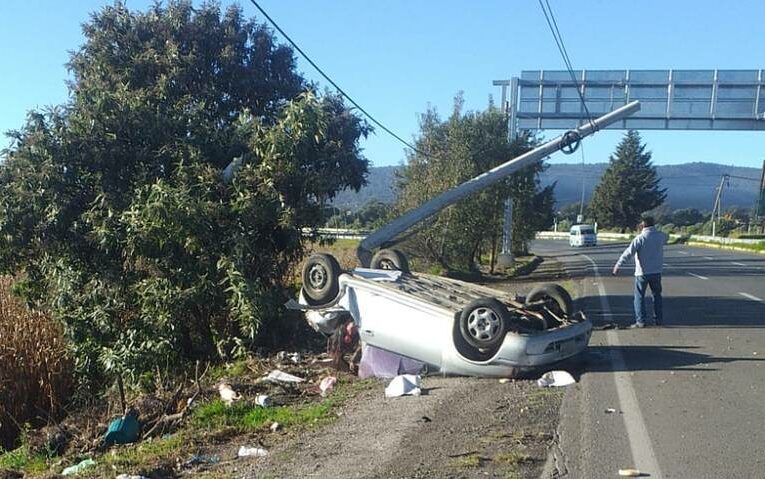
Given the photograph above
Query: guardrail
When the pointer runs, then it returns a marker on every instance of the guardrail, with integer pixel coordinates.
(564, 235)
(339, 233)
(627, 236)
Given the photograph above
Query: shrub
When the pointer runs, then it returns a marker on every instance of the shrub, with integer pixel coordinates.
(35, 371)
(116, 207)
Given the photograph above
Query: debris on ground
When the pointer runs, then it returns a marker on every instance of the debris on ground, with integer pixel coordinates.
(78, 468)
(552, 379)
(202, 459)
(227, 394)
(378, 363)
(404, 385)
(275, 427)
(630, 473)
(610, 410)
(504, 380)
(263, 400)
(295, 358)
(278, 376)
(327, 385)
(128, 476)
(123, 430)
(245, 451)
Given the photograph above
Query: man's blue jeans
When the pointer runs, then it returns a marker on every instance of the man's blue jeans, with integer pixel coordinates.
(641, 285)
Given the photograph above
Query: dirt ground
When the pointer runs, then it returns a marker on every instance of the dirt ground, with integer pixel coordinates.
(459, 428)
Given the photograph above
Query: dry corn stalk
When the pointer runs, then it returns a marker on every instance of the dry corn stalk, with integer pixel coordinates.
(35, 371)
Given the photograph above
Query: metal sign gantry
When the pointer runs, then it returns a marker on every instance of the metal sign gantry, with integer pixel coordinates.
(671, 99)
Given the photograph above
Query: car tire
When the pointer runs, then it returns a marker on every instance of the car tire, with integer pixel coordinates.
(484, 322)
(552, 292)
(321, 274)
(390, 259)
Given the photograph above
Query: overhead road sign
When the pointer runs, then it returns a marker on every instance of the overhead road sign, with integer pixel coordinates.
(670, 99)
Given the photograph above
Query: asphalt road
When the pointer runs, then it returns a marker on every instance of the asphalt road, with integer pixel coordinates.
(689, 396)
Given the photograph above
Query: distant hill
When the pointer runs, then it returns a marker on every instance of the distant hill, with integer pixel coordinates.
(689, 185)
(380, 187)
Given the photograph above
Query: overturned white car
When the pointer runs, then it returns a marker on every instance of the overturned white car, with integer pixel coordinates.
(454, 327)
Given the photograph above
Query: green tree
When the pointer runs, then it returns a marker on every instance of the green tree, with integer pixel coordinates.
(113, 207)
(457, 149)
(687, 217)
(629, 186)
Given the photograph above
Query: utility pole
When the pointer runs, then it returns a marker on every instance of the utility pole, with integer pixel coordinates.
(505, 257)
(718, 203)
(760, 207)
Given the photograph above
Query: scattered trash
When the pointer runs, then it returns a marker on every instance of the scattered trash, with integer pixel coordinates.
(263, 400)
(327, 385)
(282, 377)
(245, 451)
(227, 394)
(425, 419)
(123, 430)
(555, 379)
(378, 363)
(78, 468)
(275, 426)
(128, 476)
(630, 473)
(294, 357)
(404, 385)
(610, 410)
(504, 380)
(202, 459)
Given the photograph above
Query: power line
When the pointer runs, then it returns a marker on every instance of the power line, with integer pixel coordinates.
(337, 87)
(553, 24)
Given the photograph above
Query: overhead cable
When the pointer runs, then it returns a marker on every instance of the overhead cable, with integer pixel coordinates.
(553, 24)
(332, 82)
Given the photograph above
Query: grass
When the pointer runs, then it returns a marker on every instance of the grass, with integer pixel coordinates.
(540, 397)
(21, 459)
(512, 458)
(466, 462)
(757, 248)
(142, 454)
(236, 369)
(244, 417)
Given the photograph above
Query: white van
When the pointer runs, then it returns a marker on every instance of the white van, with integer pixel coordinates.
(582, 235)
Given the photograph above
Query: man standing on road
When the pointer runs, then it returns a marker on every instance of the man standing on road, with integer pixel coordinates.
(648, 249)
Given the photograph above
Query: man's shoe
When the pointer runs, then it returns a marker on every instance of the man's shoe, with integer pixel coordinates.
(637, 326)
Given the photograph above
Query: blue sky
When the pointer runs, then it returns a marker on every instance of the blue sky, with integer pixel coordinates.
(398, 57)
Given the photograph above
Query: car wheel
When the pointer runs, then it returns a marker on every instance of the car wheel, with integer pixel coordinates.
(320, 279)
(391, 259)
(483, 323)
(556, 297)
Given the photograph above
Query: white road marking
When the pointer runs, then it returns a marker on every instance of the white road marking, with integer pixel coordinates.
(752, 297)
(709, 258)
(683, 252)
(643, 454)
(737, 264)
(697, 275)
